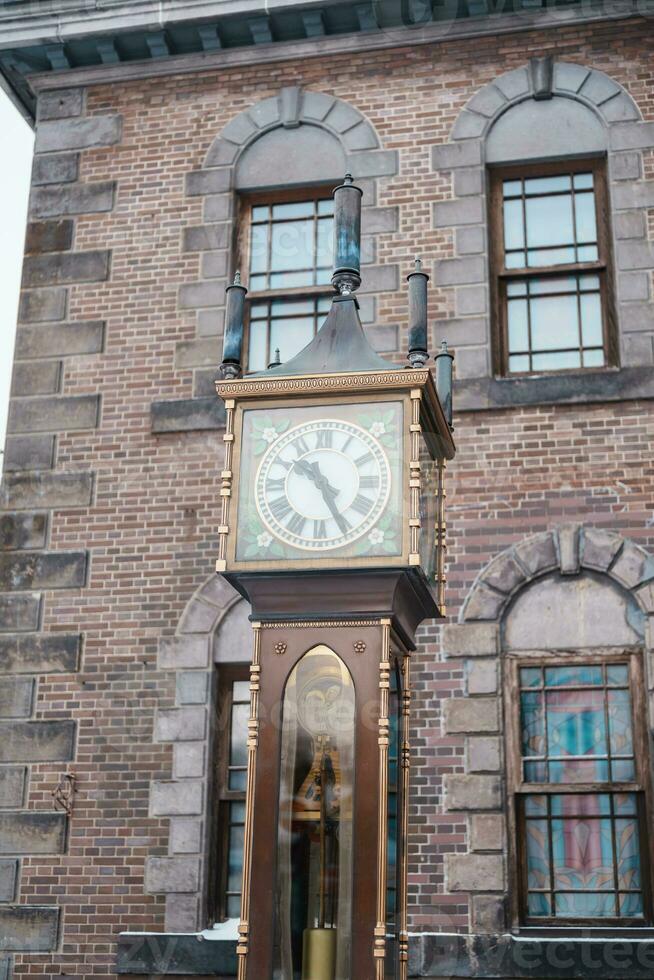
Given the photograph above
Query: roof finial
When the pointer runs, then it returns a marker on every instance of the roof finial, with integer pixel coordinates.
(237, 278)
(276, 361)
(418, 264)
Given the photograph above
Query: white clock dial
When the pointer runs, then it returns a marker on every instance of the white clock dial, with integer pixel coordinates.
(322, 484)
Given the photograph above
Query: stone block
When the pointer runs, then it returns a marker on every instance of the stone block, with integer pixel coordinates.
(62, 340)
(28, 453)
(71, 199)
(637, 349)
(342, 117)
(474, 872)
(19, 531)
(470, 240)
(633, 195)
(177, 652)
(513, 84)
(192, 687)
(45, 490)
(373, 163)
(645, 596)
(360, 137)
(29, 928)
(632, 566)
(60, 104)
(213, 181)
(8, 876)
(487, 831)
(19, 612)
(633, 286)
(266, 112)
(484, 754)
(470, 300)
(41, 305)
(199, 295)
(37, 741)
(185, 835)
(625, 166)
(181, 913)
(205, 237)
(470, 640)
(32, 832)
(449, 156)
(316, 105)
(66, 413)
(383, 338)
(463, 715)
(454, 272)
(197, 353)
(380, 220)
(180, 724)
(461, 211)
(12, 786)
(481, 676)
(222, 153)
(204, 382)
(188, 760)
(599, 88)
(40, 653)
(380, 278)
(504, 573)
(77, 134)
(49, 236)
(214, 264)
(487, 915)
(218, 207)
(630, 224)
(484, 603)
(637, 317)
(632, 136)
(16, 697)
(61, 268)
(487, 101)
(210, 322)
(568, 547)
(187, 415)
(36, 378)
(463, 331)
(537, 554)
(171, 874)
(239, 129)
(569, 77)
(60, 169)
(43, 570)
(469, 125)
(174, 799)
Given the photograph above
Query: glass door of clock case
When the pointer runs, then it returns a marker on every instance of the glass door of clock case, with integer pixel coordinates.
(314, 884)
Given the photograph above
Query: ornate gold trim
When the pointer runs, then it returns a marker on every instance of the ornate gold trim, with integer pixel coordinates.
(415, 430)
(404, 817)
(441, 546)
(320, 624)
(226, 485)
(257, 387)
(379, 944)
(248, 833)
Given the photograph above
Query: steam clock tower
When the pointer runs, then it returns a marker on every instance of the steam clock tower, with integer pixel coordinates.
(332, 527)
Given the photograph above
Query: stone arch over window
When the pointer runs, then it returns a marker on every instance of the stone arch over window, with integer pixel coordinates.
(213, 631)
(571, 589)
(292, 139)
(545, 110)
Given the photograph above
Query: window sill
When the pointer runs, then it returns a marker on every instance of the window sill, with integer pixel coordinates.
(567, 388)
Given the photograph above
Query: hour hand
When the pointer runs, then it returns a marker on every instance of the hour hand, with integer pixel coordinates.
(312, 472)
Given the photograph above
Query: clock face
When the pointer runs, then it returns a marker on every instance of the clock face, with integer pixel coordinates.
(323, 484)
(320, 481)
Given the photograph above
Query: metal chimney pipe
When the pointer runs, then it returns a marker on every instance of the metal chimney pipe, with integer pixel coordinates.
(233, 335)
(418, 328)
(347, 237)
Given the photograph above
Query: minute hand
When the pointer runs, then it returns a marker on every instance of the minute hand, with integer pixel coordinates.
(329, 496)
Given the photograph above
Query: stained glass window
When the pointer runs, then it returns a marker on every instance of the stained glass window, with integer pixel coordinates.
(290, 248)
(582, 837)
(551, 286)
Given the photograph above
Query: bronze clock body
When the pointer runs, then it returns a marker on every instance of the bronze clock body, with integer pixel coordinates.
(332, 527)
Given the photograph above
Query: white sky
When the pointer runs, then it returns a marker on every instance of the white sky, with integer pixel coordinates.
(15, 168)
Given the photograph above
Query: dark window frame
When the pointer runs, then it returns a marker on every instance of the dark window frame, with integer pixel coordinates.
(246, 202)
(518, 789)
(222, 796)
(500, 275)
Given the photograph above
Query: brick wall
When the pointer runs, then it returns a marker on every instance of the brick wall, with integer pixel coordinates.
(111, 529)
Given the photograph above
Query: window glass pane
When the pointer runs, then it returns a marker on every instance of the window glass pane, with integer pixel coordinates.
(258, 248)
(241, 691)
(284, 307)
(238, 780)
(531, 677)
(292, 246)
(560, 284)
(573, 676)
(591, 319)
(631, 906)
(584, 905)
(519, 363)
(513, 228)
(516, 288)
(579, 771)
(581, 805)
(326, 206)
(549, 220)
(260, 213)
(627, 849)
(291, 336)
(298, 209)
(512, 187)
(535, 805)
(539, 904)
(324, 304)
(538, 864)
(515, 260)
(533, 723)
(258, 282)
(623, 770)
(624, 803)
(547, 185)
(582, 854)
(583, 180)
(619, 712)
(518, 325)
(535, 772)
(233, 906)
(556, 362)
(594, 358)
(587, 253)
(586, 225)
(235, 866)
(291, 280)
(575, 723)
(617, 675)
(554, 323)
(257, 346)
(325, 256)
(238, 755)
(550, 256)
(237, 812)
(259, 311)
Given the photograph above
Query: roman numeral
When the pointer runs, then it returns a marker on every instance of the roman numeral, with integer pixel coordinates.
(280, 507)
(346, 444)
(319, 530)
(274, 484)
(369, 482)
(325, 439)
(362, 460)
(300, 446)
(361, 504)
(296, 524)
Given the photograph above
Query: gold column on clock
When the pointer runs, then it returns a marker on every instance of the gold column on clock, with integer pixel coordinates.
(333, 529)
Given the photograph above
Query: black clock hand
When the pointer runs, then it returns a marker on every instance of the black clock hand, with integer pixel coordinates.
(312, 472)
